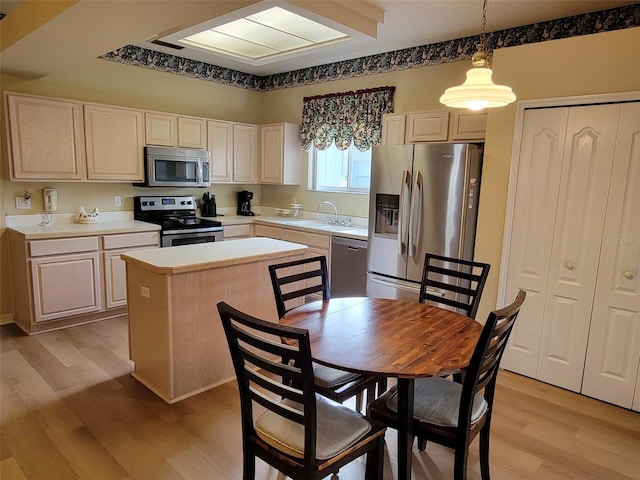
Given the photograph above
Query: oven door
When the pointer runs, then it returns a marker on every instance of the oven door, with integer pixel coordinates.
(173, 238)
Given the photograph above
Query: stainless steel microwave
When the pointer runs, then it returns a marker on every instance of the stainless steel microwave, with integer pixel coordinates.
(176, 167)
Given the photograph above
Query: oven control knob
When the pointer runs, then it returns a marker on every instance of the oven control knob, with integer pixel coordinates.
(144, 204)
(152, 203)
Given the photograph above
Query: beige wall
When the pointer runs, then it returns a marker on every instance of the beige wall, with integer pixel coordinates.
(606, 62)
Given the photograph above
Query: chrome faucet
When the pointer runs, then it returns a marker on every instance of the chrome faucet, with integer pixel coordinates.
(335, 209)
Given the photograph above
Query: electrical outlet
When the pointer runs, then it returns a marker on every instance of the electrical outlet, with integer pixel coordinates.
(145, 291)
(23, 203)
(117, 201)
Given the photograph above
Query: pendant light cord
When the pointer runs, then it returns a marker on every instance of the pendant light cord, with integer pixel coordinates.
(483, 46)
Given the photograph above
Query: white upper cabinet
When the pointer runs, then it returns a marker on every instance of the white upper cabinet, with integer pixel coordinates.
(161, 129)
(439, 125)
(220, 146)
(46, 139)
(169, 130)
(114, 140)
(427, 126)
(245, 153)
(192, 132)
(467, 125)
(393, 128)
(234, 152)
(280, 152)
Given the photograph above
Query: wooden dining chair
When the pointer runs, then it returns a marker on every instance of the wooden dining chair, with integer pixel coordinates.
(452, 414)
(464, 279)
(294, 281)
(299, 432)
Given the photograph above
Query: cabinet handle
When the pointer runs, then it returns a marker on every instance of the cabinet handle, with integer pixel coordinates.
(628, 275)
(570, 265)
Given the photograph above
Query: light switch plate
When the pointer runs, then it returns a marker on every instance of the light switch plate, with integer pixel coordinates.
(23, 203)
(117, 201)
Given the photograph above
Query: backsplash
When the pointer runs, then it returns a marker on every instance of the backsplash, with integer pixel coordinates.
(425, 55)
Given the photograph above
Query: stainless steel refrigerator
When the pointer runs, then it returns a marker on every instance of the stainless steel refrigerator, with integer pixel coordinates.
(423, 198)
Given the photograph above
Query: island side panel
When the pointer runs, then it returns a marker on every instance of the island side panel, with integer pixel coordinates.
(200, 351)
(149, 334)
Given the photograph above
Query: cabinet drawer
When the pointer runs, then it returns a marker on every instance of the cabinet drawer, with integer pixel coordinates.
(310, 239)
(130, 240)
(271, 232)
(231, 231)
(38, 248)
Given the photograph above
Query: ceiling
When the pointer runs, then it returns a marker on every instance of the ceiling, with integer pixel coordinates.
(87, 29)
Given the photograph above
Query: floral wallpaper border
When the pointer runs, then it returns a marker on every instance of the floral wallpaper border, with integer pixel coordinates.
(425, 55)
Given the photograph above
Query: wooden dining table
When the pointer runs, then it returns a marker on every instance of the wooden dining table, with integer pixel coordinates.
(390, 338)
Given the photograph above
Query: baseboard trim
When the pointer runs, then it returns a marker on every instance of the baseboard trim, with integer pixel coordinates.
(6, 318)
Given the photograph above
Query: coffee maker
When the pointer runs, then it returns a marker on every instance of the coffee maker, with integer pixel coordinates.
(244, 203)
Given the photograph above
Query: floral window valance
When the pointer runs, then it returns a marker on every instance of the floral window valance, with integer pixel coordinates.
(345, 117)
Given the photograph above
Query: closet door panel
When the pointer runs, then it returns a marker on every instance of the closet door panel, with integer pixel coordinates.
(532, 231)
(613, 354)
(579, 220)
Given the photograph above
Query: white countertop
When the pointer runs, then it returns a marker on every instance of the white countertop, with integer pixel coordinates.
(204, 256)
(316, 226)
(56, 230)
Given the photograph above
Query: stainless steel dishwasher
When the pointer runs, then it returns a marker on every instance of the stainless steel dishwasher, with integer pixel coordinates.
(348, 267)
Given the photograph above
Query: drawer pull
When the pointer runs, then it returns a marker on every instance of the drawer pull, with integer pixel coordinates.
(628, 275)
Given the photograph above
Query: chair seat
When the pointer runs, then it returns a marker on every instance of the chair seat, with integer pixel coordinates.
(328, 377)
(338, 428)
(437, 401)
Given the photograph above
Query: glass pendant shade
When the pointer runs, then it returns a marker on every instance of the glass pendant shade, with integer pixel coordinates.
(478, 92)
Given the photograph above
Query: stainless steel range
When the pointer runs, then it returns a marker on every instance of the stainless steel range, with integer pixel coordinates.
(177, 217)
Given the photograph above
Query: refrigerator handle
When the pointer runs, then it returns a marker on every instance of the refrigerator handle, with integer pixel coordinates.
(415, 226)
(403, 218)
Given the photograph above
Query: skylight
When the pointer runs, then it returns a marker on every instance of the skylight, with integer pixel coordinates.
(265, 34)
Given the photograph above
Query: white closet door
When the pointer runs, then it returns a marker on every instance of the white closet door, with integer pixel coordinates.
(538, 183)
(579, 221)
(613, 354)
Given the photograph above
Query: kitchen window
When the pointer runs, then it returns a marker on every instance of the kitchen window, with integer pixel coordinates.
(344, 171)
(338, 130)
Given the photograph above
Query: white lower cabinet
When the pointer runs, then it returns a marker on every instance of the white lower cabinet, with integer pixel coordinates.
(66, 281)
(66, 285)
(115, 273)
(574, 247)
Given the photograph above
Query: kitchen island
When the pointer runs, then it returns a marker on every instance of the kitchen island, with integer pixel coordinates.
(176, 339)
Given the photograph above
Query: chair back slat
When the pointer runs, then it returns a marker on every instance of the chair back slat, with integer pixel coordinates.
(462, 281)
(274, 405)
(294, 281)
(485, 361)
(272, 362)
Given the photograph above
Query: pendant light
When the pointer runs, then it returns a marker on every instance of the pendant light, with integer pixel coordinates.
(478, 91)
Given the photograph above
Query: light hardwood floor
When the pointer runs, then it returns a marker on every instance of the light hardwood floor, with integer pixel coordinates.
(70, 410)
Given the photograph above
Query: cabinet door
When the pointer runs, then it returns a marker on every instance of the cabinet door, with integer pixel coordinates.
(468, 126)
(115, 139)
(579, 221)
(161, 129)
(393, 129)
(46, 139)
(245, 153)
(537, 189)
(220, 146)
(66, 285)
(192, 132)
(271, 154)
(613, 354)
(428, 126)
